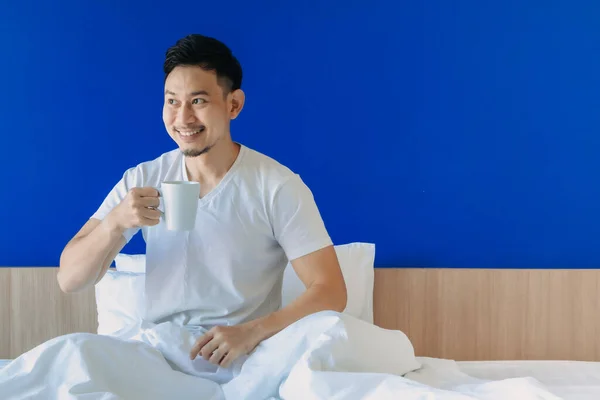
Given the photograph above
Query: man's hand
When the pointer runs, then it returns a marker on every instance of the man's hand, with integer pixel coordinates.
(137, 209)
(223, 344)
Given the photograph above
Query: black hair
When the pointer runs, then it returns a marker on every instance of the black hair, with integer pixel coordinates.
(209, 54)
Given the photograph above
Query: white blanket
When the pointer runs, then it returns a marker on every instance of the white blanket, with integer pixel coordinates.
(323, 356)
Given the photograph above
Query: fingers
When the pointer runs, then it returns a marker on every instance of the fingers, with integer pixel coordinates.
(217, 355)
(149, 213)
(140, 207)
(218, 347)
(228, 359)
(145, 217)
(145, 192)
(209, 348)
(139, 197)
(202, 341)
(148, 201)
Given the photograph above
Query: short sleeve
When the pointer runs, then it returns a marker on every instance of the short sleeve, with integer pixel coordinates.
(116, 195)
(297, 222)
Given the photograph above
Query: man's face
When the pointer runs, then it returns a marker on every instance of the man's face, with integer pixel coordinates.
(195, 112)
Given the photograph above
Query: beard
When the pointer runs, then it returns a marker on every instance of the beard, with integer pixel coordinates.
(196, 152)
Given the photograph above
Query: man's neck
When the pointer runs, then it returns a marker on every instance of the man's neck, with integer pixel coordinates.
(211, 167)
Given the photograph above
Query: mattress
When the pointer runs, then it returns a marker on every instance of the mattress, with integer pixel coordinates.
(570, 380)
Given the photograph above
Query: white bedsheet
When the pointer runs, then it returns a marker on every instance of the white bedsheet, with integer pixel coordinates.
(323, 356)
(571, 380)
(4, 363)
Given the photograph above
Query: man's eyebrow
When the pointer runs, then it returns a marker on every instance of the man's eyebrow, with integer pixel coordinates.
(196, 93)
(199, 93)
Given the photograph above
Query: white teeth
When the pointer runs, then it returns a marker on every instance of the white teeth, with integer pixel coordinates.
(189, 133)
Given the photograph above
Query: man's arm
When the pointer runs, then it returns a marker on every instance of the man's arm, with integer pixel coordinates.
(325, 290)
(88, 255)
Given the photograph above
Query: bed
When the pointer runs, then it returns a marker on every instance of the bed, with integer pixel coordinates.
(567, 379)
(485, 323)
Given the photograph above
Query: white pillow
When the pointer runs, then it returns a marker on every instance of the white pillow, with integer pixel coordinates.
(357, 263)
(131, 262)
(120, 302)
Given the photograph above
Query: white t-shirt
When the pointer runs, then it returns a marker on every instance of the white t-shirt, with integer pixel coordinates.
(229, 269)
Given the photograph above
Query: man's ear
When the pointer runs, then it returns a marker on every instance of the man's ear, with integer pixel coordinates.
(237, 103)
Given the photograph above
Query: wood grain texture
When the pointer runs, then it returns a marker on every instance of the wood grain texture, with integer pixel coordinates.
(5, 326)
(41, 311)
(484, 314)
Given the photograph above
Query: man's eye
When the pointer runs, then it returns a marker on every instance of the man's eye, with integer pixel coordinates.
(198, 101)
(171, 101)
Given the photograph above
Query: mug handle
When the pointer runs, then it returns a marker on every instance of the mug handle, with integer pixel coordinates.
(162, 213)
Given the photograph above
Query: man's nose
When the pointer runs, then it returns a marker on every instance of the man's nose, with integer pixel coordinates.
(185, 114)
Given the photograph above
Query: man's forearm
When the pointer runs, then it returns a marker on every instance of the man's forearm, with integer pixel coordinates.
(84, 260)
(316, 298)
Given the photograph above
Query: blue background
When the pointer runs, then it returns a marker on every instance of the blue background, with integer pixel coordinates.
(449, 133)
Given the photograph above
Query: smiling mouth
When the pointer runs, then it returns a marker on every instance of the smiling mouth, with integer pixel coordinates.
(190, 133)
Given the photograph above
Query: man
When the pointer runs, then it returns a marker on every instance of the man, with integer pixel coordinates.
(254, 215)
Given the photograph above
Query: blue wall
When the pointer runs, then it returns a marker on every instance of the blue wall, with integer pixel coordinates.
(450, 133)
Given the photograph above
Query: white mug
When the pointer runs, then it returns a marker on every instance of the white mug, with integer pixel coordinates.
(180, 202)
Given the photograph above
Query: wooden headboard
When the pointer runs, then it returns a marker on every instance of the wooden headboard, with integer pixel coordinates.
(493, 314)
(33, 309)
(461, 314)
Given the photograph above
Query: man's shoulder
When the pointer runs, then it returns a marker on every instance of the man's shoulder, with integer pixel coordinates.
(267, 168)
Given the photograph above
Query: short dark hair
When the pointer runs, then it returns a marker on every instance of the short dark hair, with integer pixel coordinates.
(209, 54)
